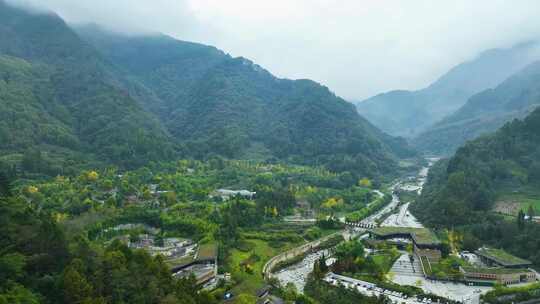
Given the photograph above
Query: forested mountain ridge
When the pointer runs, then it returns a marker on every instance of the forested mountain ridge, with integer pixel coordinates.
(461, 192)
(485, 112)
(214, 103)
(126, 100)
(59, 99)
(408, 113)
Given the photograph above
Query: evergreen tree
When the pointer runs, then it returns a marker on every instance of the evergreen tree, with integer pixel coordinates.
(531, 212)
(521, 219)
(322, 264)
(5, 185)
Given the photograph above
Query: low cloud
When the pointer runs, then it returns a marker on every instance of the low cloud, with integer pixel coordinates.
(356, 47)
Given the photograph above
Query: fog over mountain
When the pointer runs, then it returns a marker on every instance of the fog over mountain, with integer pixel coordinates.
(357, 48)
(409, 113)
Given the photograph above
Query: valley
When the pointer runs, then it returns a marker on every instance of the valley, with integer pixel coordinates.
(138, 167)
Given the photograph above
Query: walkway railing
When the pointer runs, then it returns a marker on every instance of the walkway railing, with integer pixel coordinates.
(292, 253)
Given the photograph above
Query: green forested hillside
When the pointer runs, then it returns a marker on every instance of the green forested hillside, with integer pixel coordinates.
(59, 99)
(129, 99)
(409, 113)
(216, 104)
(461, 191)
(485, 112)
(40, 264)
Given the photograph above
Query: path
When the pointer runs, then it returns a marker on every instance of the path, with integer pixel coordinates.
(289, 254)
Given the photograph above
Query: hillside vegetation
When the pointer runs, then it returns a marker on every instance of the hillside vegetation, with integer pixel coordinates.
(58, 98)
(69, 103)
(216, 104)
(461, 191)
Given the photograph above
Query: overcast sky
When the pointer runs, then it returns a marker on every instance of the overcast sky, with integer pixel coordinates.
(357, 48)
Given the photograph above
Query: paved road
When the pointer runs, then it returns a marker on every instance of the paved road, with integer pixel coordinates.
(402, 219)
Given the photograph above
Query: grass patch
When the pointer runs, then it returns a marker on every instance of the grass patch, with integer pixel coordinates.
(420, 235)
(385, 261)
(207, 252)
(249, 278)
(523, 196)
(179, 261)
(448, 269)
(502, 257)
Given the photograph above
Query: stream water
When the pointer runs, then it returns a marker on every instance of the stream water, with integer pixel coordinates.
(297, 274)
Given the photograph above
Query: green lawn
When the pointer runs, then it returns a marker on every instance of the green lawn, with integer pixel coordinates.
(501, 256)
(385, 260)
(525, 196)
(207, 251)
(257, 257)
(448, 268)
(421, 235)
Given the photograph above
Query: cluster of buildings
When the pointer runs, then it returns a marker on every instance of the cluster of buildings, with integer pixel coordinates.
(496, 265)
(426, 246)
(500, 267)
(167, 247)
(226, 194)
(203, 265)
(183, 256)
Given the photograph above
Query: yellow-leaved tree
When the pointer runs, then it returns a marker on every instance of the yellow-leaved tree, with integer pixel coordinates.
(32, 189)
(364, 182)
(92, 176)
(333, 203)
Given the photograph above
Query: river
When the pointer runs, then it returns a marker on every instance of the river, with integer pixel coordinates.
(297, 274)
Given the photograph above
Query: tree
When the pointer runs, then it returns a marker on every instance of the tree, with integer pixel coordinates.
(275, 212)
(92, 176)
(245, 299)
(76, 287)
(322, 263)
(5, 185)
(364, 182)
(17, 294)
(470, 242)
(32, 160)
(531, 212)
(521, 219)
(317, 272)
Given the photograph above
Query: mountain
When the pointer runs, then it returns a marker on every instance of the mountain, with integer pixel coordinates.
(214, 103)
(408, 113)
(485, 112)
(59, 100)
(495, 172)
(84, 97)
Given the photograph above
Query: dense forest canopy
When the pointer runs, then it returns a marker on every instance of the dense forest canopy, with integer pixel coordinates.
(61, 246)
(88, 98)
(216, 104)
(58, 97)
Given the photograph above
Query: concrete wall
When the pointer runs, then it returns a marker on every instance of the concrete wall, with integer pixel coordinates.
(287, 255)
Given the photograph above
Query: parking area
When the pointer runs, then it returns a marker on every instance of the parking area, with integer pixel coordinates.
(454, 291)
(371, 289)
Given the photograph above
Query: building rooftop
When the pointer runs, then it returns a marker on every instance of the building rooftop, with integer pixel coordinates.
(207, 252)
(501, 257)
(497, 270)
(421, 236)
